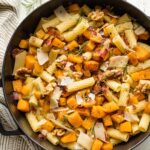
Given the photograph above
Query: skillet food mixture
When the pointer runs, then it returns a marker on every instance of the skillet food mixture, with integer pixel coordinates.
(83, 78)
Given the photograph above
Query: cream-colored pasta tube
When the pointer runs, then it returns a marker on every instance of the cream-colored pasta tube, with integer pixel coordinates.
(53, 55)
(115, 86)
(38, 84)
(47, 77)
(116, 134)
(144, 122)
(111, 30)
(120, 44)
(79, 85)
(110, 96)
(139, 106)
(52, 68)
(135, 128)
(127, 79)
(52, 138)
(130, 36)
(77, 30)
(124, 26)
(115, 141)
(51, 23)
(33, 101)
(69, 23)
(124, 94)
(33, 121)
(139, 67)
(34, 41)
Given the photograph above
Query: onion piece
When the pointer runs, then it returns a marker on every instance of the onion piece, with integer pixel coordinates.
(79, 99)
(60, 109)
(91, 96)
(99, 131)
(62, 14)
(58, 123)
(65, 81)
(42, 57)
(55, 97)
(118, 61)
(131, 117)
(85, 141)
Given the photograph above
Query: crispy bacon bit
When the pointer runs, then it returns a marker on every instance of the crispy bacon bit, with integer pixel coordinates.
(22, 73)
(54, 32)
(16, 51)
(96, 15)
(16, 96)
(110, 73)
(41, 137)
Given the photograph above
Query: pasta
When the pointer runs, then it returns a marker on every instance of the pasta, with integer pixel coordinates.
(64, 26)
(116, 134)
(80, 85)
(144, 122)
(78, 30)
(124, 94)
(83, 78)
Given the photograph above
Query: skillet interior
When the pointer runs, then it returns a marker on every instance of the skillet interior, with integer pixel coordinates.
(26, 28)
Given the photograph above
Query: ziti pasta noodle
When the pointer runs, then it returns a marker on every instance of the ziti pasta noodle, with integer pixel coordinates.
(83, 78)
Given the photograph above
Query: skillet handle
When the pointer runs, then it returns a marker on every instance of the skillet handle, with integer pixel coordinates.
(9, 133)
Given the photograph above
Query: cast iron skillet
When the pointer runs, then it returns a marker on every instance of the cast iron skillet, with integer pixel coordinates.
(23, 31)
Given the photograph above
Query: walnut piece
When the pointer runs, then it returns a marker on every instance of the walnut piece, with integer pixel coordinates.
(96, 15)
(22, 73)
(16, 51)
(58, 132)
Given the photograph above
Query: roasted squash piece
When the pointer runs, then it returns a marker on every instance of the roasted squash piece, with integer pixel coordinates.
(68, 138)
(75, 119)
(23, 105)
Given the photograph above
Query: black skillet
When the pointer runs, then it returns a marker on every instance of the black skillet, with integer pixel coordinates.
(23, 31)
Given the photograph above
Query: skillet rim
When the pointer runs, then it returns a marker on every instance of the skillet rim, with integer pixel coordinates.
(3, 71)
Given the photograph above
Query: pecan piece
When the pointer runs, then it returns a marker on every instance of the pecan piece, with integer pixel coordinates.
(22, 73)
(96, 15)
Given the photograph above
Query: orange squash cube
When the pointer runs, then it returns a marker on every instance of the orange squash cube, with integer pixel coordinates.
(125, 127)
(23, 105)
(49, 126)
(69, 138)
(75, 119)
(98, 112)
(97, 144)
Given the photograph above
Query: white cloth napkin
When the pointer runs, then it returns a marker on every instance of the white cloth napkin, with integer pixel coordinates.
(9, 19)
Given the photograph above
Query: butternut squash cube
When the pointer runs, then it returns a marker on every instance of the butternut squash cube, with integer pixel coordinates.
(91, 65)
(58, 43)
(125, 127)
(110, 107)
(75, 58)
(88, 123)
(141, 75)
(30, 61)
(98, 112)
(107, 121)
(24, 44)
(97, 144)
(17, 85)
(72, 45)
(69, 138)
(49, 126)
(75, 119)
(23, 105)
(107, 146)
(118, 118)
(71, 102)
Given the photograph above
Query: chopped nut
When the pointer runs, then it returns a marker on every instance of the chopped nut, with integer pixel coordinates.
(58, 132)
(16, 51)
(22, 73)
(96, 15)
